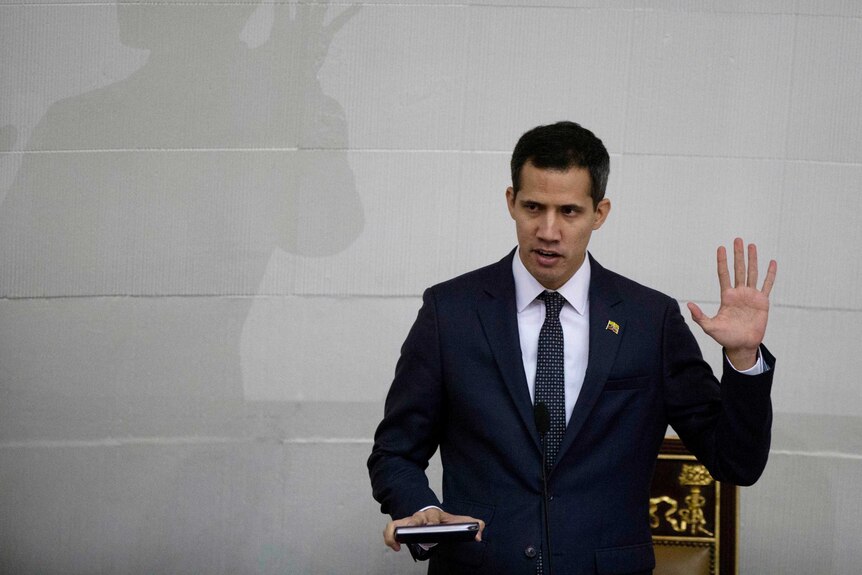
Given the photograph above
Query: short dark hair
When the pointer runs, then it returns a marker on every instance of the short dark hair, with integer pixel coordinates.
(562, 146)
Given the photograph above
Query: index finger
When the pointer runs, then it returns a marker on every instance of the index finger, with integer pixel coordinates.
(770, 277)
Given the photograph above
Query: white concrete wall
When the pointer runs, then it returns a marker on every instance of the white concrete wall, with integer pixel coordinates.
(217, 219)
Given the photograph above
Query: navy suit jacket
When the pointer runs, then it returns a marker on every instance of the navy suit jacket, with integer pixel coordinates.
(459, 385)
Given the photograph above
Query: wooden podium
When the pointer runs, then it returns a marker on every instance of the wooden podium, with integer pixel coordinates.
(693, 517)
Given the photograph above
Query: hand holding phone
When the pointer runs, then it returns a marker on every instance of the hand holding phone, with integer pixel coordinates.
(441, 533)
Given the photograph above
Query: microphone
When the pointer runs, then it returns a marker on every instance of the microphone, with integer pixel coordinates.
(543, 424)
(543, 419)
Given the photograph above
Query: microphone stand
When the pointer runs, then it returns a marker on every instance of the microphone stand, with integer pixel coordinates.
(543, 424)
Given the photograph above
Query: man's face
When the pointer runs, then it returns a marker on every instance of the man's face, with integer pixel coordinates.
(554, 218)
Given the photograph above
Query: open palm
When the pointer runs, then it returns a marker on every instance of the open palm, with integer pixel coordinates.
(740, 323)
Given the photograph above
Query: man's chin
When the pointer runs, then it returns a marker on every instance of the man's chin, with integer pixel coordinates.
(548, 281)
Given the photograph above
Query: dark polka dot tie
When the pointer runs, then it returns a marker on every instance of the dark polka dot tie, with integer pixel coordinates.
(551, 383)
(550, 379)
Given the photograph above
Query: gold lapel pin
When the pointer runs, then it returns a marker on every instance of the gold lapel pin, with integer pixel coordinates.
(613, 326)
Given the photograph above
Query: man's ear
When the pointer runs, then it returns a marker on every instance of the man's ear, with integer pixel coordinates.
(510, 200)
(602, 211)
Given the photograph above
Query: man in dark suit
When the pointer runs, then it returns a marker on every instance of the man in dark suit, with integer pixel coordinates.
(473, 367)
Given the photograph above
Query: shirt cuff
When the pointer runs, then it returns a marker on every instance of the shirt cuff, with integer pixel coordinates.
(759, 366)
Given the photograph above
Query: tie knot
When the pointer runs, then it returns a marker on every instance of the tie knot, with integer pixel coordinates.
(553, 303)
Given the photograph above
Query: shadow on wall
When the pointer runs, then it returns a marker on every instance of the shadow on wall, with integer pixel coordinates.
(8, 136)
(182, 179)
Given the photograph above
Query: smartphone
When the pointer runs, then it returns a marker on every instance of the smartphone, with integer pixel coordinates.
(443, 533)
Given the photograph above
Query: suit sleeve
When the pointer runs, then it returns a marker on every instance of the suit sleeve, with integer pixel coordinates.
(726, 424)
(408, 435)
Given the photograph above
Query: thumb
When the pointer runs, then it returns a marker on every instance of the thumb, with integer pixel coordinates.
(697, 314)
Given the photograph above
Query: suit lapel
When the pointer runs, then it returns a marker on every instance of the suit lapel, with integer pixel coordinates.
(605, 306)
(499, 319)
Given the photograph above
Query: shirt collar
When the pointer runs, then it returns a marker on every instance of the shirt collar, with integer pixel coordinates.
(527, 288)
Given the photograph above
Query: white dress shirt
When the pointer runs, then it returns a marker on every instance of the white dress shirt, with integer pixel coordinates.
(575, 318)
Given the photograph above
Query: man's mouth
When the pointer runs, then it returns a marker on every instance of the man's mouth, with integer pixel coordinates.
(546, 256)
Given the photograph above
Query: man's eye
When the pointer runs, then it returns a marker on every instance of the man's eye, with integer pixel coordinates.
(531, 207)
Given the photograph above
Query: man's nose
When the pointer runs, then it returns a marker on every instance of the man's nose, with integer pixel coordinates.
(549, 228)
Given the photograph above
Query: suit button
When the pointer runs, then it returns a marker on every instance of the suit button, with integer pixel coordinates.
(530, 551)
